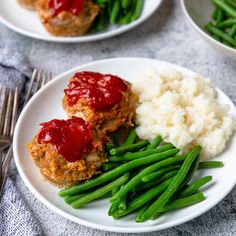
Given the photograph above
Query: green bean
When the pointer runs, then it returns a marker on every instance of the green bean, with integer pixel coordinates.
(214, 14)
(141, 187)
(101, 3)
(137, 10)
(174, 185)
(126, 4)
(220, 15)
(137, 179)
(100, 192)
(109, 166)
(232, 31)
(127, 17)
(161, 172)
(144, 198)
(210, 164)
(114, 206)
(101, 21)
(182, 202)
(226, 7)
(122, 202)
(110, 7)
(226, 24)
(212, 29)
(115, 140)
(138, 217)
(136, 155)
(168, 174)
(155, 143)
(113, 159)
(148, 185)
(190, 173)
(128, 148)
(232, 3)
(192, 188)
(115, 190)
(131, 138)
(115, 12)
(109, 146)
(216, 38)
(107, 176)
(70, 199)
(226, 43)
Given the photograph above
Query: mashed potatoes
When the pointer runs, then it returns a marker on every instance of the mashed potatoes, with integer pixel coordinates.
(183, 110)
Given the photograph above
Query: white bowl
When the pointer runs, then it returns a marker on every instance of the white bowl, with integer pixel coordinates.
(199, 14)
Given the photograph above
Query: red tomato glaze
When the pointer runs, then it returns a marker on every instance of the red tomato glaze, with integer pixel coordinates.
(101, 91)
(72, 138)
(72, 6)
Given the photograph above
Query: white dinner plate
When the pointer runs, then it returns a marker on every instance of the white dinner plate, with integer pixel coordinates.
(46, 105)
(27, 23)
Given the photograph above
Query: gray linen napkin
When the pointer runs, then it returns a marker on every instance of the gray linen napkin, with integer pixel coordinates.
(15, 217)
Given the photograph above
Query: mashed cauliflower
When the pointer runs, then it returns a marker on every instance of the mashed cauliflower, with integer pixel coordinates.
(184, 110)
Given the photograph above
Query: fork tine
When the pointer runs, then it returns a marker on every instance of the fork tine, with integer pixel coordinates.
(6, 128)
(15, 110)
(33, 80)
(38, 83)
(39, 79)
(49, 76)
(3, 107)
(44, 78)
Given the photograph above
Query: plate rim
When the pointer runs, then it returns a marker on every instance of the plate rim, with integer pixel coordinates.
(123, 229)
(80, 39)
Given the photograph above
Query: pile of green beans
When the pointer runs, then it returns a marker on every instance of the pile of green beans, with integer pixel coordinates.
(120, 12)
(147, 178)
(223, 27)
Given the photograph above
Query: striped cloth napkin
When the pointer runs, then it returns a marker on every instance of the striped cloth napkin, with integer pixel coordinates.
(15, 216)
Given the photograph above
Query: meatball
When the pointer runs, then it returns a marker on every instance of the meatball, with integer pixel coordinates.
(28, 4)
(67, 151)
(67, 17)
(103, 100)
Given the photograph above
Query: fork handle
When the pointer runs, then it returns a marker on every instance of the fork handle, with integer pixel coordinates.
(5, 168)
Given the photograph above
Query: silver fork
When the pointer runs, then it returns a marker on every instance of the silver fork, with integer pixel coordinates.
(39, 79)
(8, 114)
(9, 107)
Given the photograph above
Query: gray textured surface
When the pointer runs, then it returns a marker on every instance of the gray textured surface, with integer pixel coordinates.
(166, 36)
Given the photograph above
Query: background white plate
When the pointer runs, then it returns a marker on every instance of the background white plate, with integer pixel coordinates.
(46, 105)
(27, 23)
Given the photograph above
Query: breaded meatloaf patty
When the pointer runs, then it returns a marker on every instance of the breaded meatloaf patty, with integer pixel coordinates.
(67, 151)
(103, 100)
(67, 17)
(28, 4)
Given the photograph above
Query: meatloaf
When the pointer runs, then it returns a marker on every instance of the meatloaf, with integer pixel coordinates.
(67, 17)
(28, 4)
(103, 100)
(67, 151)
